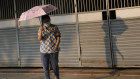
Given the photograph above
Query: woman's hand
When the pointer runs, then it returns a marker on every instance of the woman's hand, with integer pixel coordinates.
(41, 28)
(55, 48)
(40, 34)
(57, 44)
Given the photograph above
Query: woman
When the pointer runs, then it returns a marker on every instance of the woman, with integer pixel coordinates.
(49, 37)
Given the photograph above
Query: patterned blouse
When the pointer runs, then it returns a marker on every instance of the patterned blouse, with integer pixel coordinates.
(49, 39)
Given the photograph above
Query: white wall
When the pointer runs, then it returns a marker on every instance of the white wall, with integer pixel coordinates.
(7, 23)
(32, 22)
(90, 17)
(63, 19)
(128, 13)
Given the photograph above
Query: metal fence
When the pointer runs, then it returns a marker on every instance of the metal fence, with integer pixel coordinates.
(123, 3)
(97, 5)
(64, 6)
(90, 5)
(24, 5)
(6, 9)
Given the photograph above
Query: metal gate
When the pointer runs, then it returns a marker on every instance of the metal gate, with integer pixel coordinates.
(126, 42)
(104, 44)
(95, 51)
(8, 48)
(29, 46)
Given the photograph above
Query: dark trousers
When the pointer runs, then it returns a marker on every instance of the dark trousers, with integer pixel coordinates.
(51, 59)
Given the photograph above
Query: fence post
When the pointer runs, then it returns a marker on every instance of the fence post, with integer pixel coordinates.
(110, 33)
(17, 36)
(42, 2)
(77, 34)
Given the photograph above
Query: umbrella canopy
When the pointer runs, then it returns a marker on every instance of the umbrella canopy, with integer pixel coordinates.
(37, 11)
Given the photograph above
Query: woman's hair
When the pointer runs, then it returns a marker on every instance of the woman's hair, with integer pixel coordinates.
(45, 17)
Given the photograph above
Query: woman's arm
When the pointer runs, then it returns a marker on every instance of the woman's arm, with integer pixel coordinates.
(40, 33)
(57, 43)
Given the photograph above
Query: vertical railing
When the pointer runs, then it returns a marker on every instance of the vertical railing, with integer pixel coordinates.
(98, 5)
(64, 6)
(6, 9)
(17, 36)
(77, 34)
(114, 4)
(90, 5)
(109, 33)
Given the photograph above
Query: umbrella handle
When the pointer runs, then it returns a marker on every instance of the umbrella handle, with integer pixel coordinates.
(40, 21)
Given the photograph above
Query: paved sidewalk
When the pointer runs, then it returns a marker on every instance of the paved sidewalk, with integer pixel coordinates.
(70, 73)
(62, 76)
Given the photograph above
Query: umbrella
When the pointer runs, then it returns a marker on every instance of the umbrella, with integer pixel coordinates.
(36, 12)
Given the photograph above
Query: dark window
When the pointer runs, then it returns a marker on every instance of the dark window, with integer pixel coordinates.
(112, 15)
